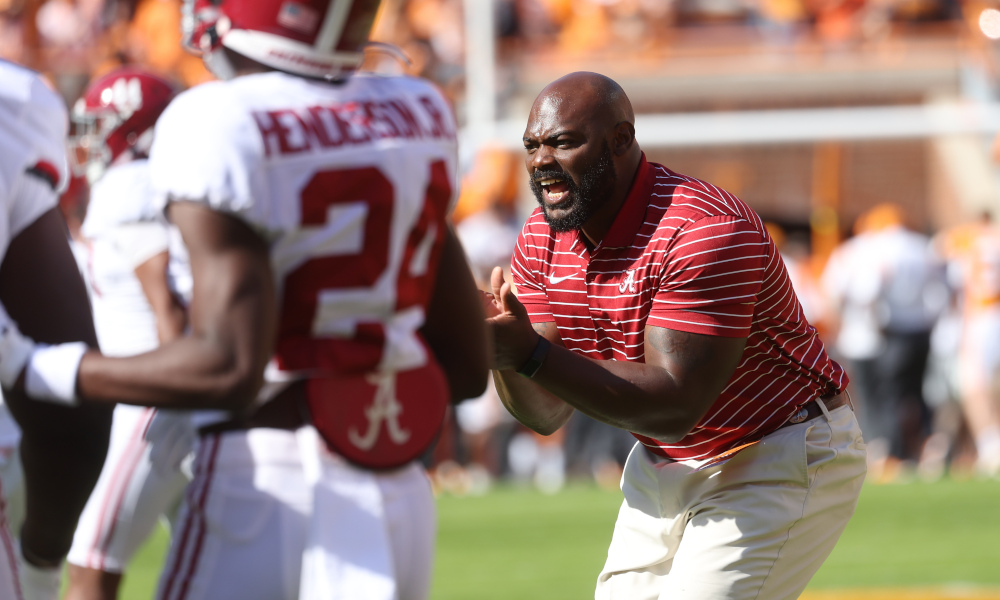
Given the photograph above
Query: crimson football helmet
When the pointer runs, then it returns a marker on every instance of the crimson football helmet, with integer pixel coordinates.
(312, 38)
(114, 119)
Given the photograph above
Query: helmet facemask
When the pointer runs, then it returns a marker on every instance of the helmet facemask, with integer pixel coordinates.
(89, 156)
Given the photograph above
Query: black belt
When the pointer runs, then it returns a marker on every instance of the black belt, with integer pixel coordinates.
(287, 410)
(810, 410)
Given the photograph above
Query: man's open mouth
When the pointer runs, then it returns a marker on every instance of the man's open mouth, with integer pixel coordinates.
(555, 189)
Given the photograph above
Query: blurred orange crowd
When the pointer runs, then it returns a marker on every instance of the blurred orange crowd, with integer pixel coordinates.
(75, 39)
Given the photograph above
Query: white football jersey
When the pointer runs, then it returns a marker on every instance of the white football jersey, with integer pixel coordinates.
(349, 182)
(123, 231)
(33, 125)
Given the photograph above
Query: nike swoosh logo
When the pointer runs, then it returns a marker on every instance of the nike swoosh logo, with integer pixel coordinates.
(555, 280)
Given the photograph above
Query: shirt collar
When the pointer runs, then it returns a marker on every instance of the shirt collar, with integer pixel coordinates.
(632, 214)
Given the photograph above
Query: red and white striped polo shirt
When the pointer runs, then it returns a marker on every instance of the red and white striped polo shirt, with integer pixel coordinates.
(682, 254)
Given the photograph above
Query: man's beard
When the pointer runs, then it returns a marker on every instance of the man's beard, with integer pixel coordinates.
(590, 194)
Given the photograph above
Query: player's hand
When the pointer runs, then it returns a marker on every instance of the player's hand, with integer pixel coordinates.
(514, 338)
(491, 306)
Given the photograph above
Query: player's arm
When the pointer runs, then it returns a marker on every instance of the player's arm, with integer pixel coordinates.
(62, 448)
(454, 328)
(220, 363)
(171, 318)
(662, 398)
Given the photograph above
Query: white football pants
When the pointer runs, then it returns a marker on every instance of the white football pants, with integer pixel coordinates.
(273, 515)
(128, 500)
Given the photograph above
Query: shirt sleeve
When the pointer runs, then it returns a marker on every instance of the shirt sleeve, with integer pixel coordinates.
(710, 278)
(206, 150)
(32, 146)
(139, 242)
(526, 271)
(31, 197)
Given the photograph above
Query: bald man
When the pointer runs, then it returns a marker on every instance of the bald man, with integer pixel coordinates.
(658, 303)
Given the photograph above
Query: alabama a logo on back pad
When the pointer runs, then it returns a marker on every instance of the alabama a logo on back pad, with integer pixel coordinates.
(380, 420)
(384, 408)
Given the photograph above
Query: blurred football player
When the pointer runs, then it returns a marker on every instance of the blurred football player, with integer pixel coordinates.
(136, 307)
(62, 448)
(312, 200)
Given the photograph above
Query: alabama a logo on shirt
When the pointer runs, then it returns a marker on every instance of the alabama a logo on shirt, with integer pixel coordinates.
(628, 283)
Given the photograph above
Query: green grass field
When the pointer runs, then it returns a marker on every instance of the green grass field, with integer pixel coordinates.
(518, 543)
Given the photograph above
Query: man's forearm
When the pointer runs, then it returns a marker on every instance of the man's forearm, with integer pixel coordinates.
(186, 373)
(631, 396)
(529, 403)
(637, 397)
(628, 395)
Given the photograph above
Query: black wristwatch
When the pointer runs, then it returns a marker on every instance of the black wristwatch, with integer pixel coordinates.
(531, 366)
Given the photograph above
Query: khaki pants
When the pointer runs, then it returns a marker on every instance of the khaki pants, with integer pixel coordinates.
(757, 526)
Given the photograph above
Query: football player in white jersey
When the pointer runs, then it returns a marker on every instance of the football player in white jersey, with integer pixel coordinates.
(312, 200)
(135, 309)
(62, 449)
